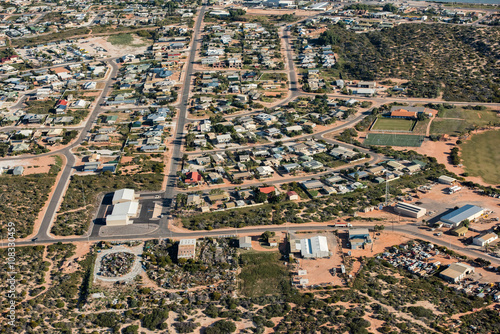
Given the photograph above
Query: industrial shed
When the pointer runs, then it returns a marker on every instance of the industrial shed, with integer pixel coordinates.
(410, 210)
(469, 212)
(315, 247)
(456, 272)
(123, 195)
(125, 207)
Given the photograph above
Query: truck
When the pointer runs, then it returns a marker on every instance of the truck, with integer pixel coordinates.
(342, 225)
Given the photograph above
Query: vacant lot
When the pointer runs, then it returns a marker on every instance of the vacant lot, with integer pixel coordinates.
(481, 156)
(385, 139)
(262, 274)
(394, 124)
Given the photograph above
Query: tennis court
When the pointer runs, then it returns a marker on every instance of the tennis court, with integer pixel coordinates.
(394, 124)
(388, 139)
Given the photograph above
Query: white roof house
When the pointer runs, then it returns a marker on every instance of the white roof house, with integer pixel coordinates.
(123, 195)
(315, 247)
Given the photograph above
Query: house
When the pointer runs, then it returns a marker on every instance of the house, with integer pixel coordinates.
(222, 139)
(18, 170)
(313, 165)
(456, 272)
(358, 237)
(193, 199)
(265, 171)
(410, 210)
(20, 147)
(394, 165)
(193, 178)
(91, 166)
(111, 119)
(245, 242)
(186, 249)
(292, 196)
(274, 241)
(267, 190)
(291, 167)
(466, 212)
(224, 196)
(485, 239)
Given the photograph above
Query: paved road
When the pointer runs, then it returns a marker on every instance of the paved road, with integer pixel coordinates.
(411, 230)
(181, 121)
(43, 232)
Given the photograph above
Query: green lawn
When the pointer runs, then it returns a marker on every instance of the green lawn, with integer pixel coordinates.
(481, 156)
(123, 39)
(448, 126)
(458, 120)
(386, 139)
(262, 274)
(393, 124)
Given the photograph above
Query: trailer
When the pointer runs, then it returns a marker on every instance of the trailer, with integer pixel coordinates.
(454, 189)
(342, 225)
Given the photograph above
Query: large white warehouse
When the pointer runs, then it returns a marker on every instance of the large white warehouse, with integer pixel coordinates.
(125, 206)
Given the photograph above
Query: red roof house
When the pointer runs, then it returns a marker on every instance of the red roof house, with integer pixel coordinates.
(267, 190)
(193, 177)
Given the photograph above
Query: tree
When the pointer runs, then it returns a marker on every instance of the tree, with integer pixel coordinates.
(390, 8)
(260, 197)
(221, 327)
(132, 329)
(465, 223)
(266, 235)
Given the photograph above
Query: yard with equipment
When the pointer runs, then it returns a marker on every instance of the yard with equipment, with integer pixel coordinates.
(481, 156)
(386, 139)
(393, 124)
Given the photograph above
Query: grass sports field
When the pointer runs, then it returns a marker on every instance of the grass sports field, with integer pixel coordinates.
(393, 124)
(481, 156)
(386, 139)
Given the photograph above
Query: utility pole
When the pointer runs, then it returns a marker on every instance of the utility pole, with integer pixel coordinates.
(386, 190)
